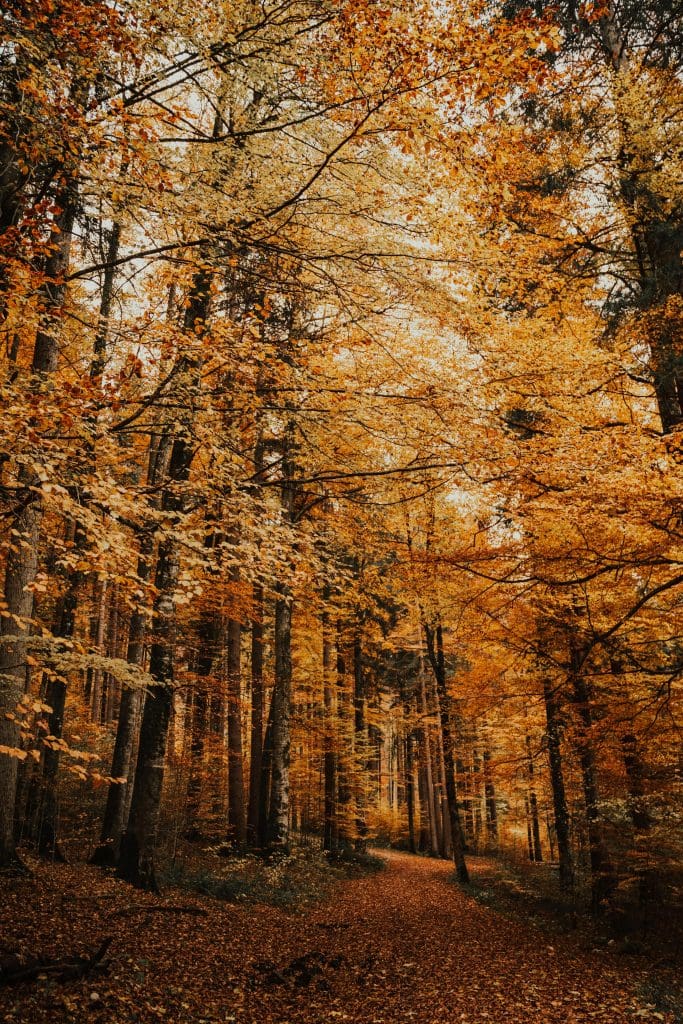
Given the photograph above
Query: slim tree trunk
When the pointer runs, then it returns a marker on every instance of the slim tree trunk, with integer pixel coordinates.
(193, 807)
(345, 752)
(642, 822)
(94, 675)
(20, 571)
(536, 850)
(13, 177)
(136, 863)
(237, 826)
(410, 791)
(657, 238)
(361, 742)
(603, 880)
(278, 812)
(113, 823)
(264, 786)
(553, 734)
(257, 701)
(439, 774)
(210, 635)
(113, 652)
(100, 347)
(435, 652)
(47, 806)
(330, 830)
(635, 776)
(490, 800)
(435, 843)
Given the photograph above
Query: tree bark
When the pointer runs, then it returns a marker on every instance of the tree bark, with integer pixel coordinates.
(410, 792)
(100, 347)
(361, 742)
(257, 702)
(264, 786)
(434, 837)
(237, 826)
(136, 863)
(535, 849)
(490, 800)
(344, 843)
(22, 559)
(330, 829)
(603, 880)
(553, 734)
(210, 635)
(20, 572)
(277, 836)
(434, 638)
(46, 824)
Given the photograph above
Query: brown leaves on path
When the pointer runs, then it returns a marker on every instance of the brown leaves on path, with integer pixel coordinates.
(404, 945)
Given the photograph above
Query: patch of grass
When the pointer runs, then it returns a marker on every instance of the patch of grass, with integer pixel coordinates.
(355, 862)
(501, 886)
(290, 882)
(230, 887)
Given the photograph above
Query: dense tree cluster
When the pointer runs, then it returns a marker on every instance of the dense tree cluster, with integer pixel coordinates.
(342, 394)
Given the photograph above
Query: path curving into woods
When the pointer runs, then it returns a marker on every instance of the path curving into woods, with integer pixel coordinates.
(419, 949)
(402, 945)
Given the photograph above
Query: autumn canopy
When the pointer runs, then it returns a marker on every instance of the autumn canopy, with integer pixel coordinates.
(341, 462)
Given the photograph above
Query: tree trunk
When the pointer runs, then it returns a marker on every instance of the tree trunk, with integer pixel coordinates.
(345, 752)
(490, 800)
(22, 559)
(330, 829)
(193, 804)
(635, 775)
(278, 812)
(603, 880)
(108, 851)
(210, 635)
(20, 572)
(100, 346)
(434, 831)
(657, 237)
(237, 826)
(410, 792)
(97, 635)
(642, 822)
(46, 823)
(257, 701)
(136, 863)
(264, 785)
(361, 743)
(561, 811)
(536, 850)
(439, 773)
(435, 653)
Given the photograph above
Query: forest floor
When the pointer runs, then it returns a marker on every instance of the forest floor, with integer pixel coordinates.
(400, 946)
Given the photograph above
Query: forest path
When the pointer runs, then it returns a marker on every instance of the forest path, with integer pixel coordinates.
(401, 946)
(418, 949)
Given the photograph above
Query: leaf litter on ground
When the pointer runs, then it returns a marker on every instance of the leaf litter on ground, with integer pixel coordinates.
(401, 945)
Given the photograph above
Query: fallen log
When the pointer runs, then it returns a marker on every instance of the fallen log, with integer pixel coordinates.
(13, 970)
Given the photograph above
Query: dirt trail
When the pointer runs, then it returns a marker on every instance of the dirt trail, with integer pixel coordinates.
(403, 945)
(433, 954)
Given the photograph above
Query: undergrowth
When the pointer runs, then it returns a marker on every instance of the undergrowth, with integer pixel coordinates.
(295, 881)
